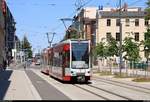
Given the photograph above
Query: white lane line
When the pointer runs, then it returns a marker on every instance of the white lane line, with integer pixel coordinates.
(33, 89)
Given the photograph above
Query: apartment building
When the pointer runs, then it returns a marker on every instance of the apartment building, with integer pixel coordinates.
(10, 33)
(2, 32)
(85, 22)
(7, 32)
(133, 24)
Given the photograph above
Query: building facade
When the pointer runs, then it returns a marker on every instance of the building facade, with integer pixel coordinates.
(133, 24)
(7, 32)
(10, 34)
(2, 32)
(85, 22)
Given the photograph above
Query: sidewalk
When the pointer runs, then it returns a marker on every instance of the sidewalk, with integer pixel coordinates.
(15, 85)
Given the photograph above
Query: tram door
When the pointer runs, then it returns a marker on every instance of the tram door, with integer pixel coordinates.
(65, 58)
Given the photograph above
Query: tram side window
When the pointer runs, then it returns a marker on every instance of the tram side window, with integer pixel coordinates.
(66, 59)
(54, 61)
(57, 60)
(60, 59)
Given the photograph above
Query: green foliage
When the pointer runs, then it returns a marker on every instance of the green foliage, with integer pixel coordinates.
(25, 43)
(30, 53)
(71, 33)
(148, 3)
(141, 79)
(27, 47)
(146, 42)
(109, 50)
(132, 49)
(112, 48)
(123, 75)
(147, 10)
(103, 73)
(99, 50)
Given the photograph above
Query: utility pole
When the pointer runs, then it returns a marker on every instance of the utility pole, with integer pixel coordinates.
(63, 21)
(120, 30)
(80, 36)
(79, 4)
(50, 41)
(15, 50)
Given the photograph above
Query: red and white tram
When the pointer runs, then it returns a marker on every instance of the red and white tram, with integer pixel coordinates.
(70, 60)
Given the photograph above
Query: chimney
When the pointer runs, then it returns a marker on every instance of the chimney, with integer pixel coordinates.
(125, 7)
(100, 7)
(139, 9)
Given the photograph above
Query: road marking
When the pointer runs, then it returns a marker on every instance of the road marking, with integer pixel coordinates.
(33, 89)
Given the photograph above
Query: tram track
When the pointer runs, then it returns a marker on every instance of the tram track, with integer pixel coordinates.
(103, 90)
(124, 85)
(91, 92)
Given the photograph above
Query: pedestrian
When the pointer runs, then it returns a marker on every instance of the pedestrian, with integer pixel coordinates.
(24, 65)
(4, 64)
(1, 67)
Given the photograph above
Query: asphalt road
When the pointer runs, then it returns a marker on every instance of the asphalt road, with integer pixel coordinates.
(45, 90)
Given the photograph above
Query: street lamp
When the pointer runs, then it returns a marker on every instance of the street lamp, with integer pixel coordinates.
(13, 24)
(120, 42)
(147, 55)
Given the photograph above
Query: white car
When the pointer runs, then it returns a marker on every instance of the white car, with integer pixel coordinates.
(38, 62)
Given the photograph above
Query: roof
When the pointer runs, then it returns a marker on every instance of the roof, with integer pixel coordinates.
(68, 41)
(124, 14)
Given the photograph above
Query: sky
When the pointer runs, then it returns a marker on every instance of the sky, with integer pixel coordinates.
(35, 18)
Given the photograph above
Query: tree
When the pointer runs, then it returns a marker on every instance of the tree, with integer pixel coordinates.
(112, 49)
(146, 44)
(99, 52)
(71, 33)
(146, 41)
(132, 50)
(27, 47)
(147, 10)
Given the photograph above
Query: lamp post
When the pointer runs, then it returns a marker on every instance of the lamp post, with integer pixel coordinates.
(147, 56)
(15, 52)
(120, 30)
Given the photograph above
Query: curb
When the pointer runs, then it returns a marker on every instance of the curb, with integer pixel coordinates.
(33, 89)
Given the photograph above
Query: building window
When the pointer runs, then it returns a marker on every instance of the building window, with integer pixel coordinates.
(108, 36)
(127, 22)
(117, 36)
(136, 22)
(117, 22)
(136, 37)
(108, 22)
(146, 22)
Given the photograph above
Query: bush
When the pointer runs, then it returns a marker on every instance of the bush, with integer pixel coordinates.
(142, 79)
(123, 75)
(105, 73)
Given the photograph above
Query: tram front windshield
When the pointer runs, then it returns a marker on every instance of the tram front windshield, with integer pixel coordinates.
(80, 55)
